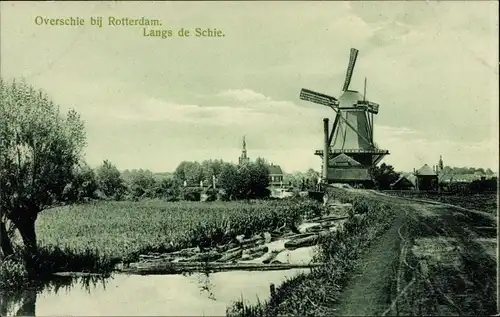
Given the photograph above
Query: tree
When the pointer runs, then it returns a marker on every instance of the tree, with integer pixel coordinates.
(211, 168)
(168, 188)
(109, 179)
(39, 149)
(383, 176)
(259, 178)
(191, 172)
(84, 185)
(142, 184)
(244, 182)
(312, 177)
(229, 180)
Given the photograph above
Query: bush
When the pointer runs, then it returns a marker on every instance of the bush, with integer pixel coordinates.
(360, 205)
(211, 194)
(191, 193)
(13, 273)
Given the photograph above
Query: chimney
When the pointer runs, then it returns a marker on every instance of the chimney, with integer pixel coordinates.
(326, 150)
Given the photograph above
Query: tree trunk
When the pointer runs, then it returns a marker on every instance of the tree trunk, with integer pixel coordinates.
(24, 220)
(26, 228)
(5, 242)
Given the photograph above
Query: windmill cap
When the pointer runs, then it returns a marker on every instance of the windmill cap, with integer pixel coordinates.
(349, 98)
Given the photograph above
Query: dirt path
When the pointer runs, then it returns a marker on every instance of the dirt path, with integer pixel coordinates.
(434, 260)
(368, 291)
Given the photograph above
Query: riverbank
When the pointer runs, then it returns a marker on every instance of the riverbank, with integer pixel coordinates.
(95, 237)
(317, 292)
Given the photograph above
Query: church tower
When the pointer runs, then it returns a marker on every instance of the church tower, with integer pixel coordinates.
(243, 159)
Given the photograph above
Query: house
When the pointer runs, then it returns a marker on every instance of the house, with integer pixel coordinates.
(275, 175)
(344, 169)
(404, 182)
(426, 178)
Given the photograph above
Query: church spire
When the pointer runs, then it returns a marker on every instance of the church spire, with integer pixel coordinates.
(243, 159)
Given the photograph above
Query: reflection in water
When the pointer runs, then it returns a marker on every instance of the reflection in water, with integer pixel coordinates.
(204, 281)
(193, 294)
(23, 302)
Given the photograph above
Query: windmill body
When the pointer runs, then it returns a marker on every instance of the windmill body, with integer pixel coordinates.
(349, 145)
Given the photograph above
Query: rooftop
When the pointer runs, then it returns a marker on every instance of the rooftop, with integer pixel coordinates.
(425, 170)
(275, 170)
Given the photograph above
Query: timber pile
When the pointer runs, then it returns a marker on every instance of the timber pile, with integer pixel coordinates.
(246, 253)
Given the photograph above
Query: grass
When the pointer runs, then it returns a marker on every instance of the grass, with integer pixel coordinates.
(315, 293)
(94, 237)
(486, 202)
(453, 274)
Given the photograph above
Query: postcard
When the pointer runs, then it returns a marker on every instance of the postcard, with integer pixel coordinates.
(253, 158)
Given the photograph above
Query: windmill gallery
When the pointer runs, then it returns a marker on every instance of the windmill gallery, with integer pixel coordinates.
(348, 150)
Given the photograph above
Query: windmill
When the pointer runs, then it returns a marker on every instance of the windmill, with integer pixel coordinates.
(349, 149)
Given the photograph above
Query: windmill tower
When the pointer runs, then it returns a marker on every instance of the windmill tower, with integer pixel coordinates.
(349, 149)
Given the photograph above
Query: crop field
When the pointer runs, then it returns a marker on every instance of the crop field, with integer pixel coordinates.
(486, 202)
(90, 236)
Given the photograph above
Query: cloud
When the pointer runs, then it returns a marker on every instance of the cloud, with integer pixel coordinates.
(243, 95)
(151, 103)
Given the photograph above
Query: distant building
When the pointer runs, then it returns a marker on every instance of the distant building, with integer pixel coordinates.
(404, 182)
(243, 159)
(426, 178)
(275, 175)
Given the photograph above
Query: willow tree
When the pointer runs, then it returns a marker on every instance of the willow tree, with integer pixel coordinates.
(39, 149)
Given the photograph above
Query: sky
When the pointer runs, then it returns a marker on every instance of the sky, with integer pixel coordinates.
(151, 103)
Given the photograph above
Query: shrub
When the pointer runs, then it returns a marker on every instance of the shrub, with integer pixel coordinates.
(191, 193)
(211, 194)
(13, 273)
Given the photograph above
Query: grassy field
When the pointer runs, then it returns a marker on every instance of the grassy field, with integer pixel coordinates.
(486, 202)
(448, 265)
(93, 237)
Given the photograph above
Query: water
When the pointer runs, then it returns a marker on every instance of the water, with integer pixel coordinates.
(179, 295)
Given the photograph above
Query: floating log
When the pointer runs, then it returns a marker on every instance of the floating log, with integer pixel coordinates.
(328, 218)
(186, 252)
(177, 268)
(315, 228)
(228, 256)
(301, 235)
(164, 257)
(208, 256)
(256, 249)
(252, 256)
(303, 242)
(275, 234)
(271, 256)
(78, 274)
(228, 247)
(254, 240)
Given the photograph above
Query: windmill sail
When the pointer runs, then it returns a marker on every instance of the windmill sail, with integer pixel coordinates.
(350, 68)
(316, 97)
